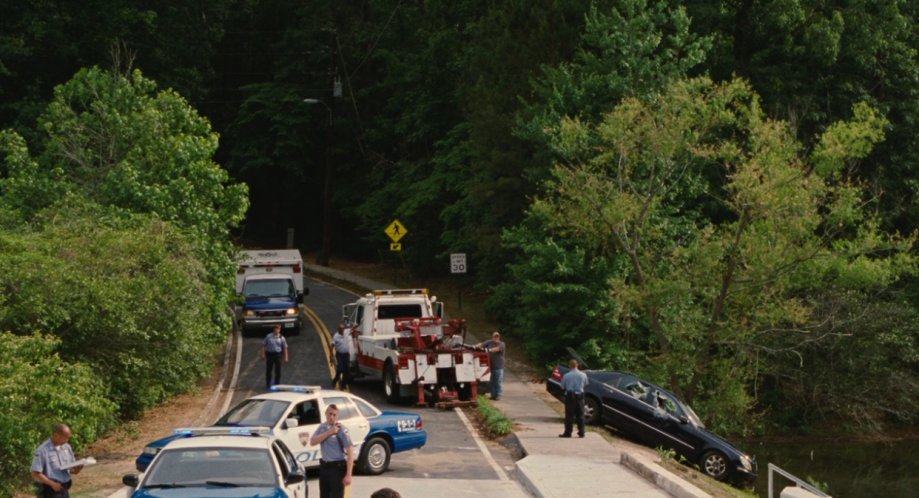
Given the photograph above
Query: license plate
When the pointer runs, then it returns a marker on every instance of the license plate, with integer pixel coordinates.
(288, 325)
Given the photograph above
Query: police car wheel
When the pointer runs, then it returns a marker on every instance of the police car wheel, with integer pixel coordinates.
(375, 456)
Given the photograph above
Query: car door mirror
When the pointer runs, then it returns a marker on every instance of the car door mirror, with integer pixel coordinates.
(130, 480)
(291, 423)
(295, 477)
(683, 419)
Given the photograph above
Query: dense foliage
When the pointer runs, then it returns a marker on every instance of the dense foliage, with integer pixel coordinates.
(751, 247)
(38, 388)
(115, 260)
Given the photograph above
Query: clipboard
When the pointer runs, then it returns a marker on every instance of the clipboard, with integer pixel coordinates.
(80, 462)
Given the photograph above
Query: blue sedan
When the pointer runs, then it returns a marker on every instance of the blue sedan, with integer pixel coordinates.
(293, 414)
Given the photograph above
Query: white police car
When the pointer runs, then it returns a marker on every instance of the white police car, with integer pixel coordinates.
(294, 412)
(220, 462)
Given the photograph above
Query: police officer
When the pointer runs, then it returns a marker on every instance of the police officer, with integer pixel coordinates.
(337, 460)
(50, 457)
(274, 347)
(341, 345)
(574, 383)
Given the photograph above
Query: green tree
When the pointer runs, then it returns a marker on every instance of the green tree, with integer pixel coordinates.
(125, 295)
(118, 141)
(811, 59)
(725, 228)
(37, 390)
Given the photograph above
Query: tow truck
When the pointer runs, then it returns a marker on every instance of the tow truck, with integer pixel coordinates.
(400, 336)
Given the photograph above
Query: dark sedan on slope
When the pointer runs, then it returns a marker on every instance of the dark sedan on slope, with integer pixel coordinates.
(656, 417)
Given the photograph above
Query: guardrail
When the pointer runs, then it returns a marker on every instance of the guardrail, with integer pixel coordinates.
(798, 482)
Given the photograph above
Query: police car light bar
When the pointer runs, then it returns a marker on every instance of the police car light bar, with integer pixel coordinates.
(222, 431)
(295, 389)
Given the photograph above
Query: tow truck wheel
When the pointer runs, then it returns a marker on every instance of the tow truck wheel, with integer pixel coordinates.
(390, 388)
(375, 456)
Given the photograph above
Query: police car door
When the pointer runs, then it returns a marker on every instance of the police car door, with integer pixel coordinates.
(307, 413)
(351, 418)
(287, 463)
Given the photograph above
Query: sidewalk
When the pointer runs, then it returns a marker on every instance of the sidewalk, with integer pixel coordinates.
(555, 467)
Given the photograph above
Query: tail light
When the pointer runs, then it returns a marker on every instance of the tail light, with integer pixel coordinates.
(297, 268)
(556, 374)
(420, 424)
(403, 362)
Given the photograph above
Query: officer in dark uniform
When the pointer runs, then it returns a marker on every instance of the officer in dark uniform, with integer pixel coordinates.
(574, 383)
(341, 345)
(274, 347)
(54, 453)
(337, 451)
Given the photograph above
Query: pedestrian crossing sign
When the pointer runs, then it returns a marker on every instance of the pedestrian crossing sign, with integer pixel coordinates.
(396, 230)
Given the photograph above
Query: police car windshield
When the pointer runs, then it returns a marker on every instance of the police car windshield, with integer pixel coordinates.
(200, 466)
(255, 412)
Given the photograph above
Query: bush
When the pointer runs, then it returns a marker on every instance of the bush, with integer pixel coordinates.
(495, 423)
(38, 389)
(125, 295)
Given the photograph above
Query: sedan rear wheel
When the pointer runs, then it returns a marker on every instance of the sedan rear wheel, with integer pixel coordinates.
(715, 465)
(375, 456)
(591, 411)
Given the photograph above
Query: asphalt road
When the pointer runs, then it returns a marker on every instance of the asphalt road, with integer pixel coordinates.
(453, 450)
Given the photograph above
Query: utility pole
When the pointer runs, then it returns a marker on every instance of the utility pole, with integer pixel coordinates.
(322, 256)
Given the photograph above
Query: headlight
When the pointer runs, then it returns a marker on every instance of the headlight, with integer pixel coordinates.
(249, 313)
(746, 462)
(151, 450)
(291, 311)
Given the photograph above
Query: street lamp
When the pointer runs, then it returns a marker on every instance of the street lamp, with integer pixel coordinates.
(322, 257)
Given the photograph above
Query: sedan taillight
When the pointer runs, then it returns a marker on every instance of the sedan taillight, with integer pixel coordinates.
(556, 374)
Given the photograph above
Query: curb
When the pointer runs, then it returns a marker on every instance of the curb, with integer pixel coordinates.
(661, 477)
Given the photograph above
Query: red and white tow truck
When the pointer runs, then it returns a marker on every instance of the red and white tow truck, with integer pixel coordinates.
(400, 337)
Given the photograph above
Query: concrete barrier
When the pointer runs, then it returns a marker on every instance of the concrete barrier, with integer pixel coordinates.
(796, 492)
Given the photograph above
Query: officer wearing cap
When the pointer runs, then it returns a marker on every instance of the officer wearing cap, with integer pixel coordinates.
(337, 451)
(50, 457)
(495, 348)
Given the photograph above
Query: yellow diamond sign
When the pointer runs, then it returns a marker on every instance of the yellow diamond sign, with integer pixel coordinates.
(396, 230)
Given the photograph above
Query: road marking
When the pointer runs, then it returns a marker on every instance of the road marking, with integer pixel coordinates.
(235, 379)
(324, 336)
(223, 384)
(478, 441)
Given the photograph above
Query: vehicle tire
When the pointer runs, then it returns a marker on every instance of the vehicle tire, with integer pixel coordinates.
(375, 456)
(390, 386)
(715, 465)
(591, 411)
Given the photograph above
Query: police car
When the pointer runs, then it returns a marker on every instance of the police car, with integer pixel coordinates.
(294, 412)
(221, 462)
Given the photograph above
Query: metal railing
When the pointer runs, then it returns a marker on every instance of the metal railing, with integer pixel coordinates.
(798, 482)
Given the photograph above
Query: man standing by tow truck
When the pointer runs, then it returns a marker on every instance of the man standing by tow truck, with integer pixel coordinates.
(341, 350)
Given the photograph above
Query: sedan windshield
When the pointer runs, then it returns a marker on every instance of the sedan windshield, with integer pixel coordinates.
(229, 467)
(255, 413)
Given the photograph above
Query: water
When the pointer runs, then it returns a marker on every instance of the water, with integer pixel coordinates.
(850, 469)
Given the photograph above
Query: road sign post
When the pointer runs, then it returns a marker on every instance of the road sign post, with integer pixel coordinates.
(458, 265)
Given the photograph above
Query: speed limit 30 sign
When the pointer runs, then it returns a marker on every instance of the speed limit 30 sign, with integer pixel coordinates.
(458, 262)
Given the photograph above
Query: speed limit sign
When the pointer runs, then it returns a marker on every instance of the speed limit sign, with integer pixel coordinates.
(458, 262)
